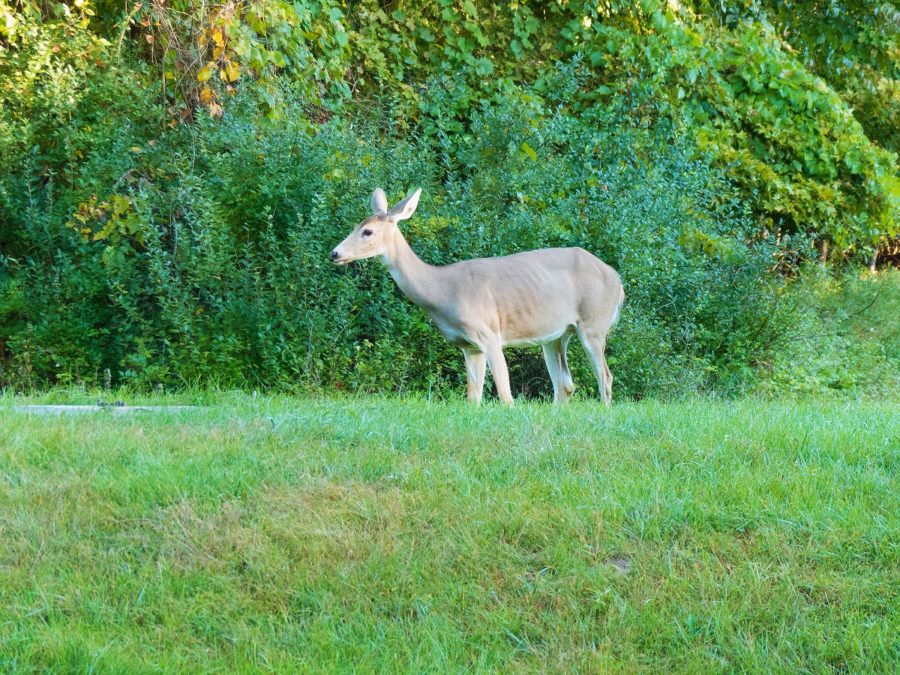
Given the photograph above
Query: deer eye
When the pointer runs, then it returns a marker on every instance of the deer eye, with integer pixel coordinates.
(367, 232)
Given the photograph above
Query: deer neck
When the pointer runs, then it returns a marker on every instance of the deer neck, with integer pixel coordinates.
(415, 277)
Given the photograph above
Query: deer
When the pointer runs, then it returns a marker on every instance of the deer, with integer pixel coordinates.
(539, 297)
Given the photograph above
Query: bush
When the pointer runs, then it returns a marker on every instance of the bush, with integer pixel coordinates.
(844, 337)
(208, 260)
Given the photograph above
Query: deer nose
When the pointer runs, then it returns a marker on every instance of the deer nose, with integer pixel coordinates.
(334, 255)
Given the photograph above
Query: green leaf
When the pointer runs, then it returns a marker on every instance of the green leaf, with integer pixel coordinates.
(484, 67)
(528, 150)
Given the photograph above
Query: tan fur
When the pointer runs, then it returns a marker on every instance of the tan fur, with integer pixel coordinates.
(541, 297)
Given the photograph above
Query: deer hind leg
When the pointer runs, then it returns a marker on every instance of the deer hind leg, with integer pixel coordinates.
(475, 363)
(567, 381)
(558, 367)
(594, 343)
(608, 381)
(497, 363)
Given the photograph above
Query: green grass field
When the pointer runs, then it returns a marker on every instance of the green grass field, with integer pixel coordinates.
(278, 534)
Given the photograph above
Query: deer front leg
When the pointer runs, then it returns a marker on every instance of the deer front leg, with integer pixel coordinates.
(497, 363)
(475, 363)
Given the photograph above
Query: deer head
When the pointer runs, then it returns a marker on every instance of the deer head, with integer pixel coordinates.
(373, 235)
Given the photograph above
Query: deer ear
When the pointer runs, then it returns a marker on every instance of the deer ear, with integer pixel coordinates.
(379, 202)
(407, 207)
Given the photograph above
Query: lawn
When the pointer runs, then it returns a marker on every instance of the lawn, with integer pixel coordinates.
(280, 534)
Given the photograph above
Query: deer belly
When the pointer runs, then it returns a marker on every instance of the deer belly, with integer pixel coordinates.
(536, 306)
(535, 339)
(538, 320)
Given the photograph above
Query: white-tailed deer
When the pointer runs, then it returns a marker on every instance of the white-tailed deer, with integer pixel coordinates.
(539, 297)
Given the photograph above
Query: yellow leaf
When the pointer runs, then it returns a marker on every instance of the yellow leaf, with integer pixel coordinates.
(207, 95)
(233, 71)
(205, 72)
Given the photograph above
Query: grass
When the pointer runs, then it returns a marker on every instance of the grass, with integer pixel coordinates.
(844, 339)
(401, 535)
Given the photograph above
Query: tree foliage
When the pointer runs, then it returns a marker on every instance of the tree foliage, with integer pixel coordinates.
(798, 104)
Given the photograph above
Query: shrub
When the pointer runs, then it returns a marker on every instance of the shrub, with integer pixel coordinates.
(211, 264)
(844, 337)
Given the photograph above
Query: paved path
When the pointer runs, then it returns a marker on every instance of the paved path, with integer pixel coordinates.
(70, 409)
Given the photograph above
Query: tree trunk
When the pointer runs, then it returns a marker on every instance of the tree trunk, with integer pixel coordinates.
(823, 252)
